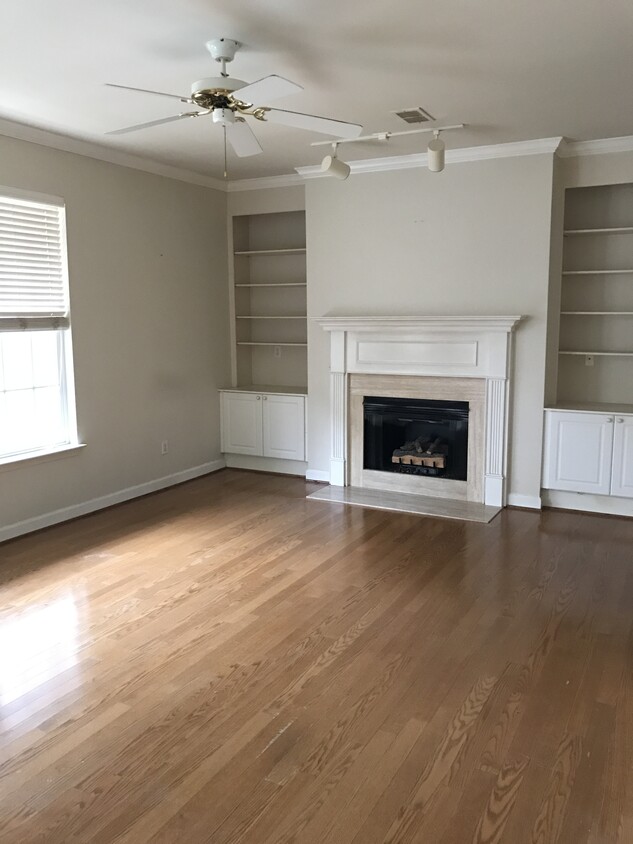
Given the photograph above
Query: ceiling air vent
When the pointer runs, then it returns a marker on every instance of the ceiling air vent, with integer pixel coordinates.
(414, 115)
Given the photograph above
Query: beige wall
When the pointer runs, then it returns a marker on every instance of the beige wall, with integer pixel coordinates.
(148, 286)
(474, 239)
(149, 293)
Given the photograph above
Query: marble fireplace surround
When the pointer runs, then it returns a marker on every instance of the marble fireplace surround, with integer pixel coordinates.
(438, 353)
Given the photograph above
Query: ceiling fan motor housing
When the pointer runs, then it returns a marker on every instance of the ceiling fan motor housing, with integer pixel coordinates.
(214, 91)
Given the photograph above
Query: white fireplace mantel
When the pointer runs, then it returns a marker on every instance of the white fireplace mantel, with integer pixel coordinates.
(369, 323)
(436, 346)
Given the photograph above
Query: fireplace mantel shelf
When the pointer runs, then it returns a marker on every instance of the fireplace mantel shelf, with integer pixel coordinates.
(391, 323)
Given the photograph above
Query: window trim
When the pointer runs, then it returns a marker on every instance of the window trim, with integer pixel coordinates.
(42, 455)
(65, 345)
(32, 196)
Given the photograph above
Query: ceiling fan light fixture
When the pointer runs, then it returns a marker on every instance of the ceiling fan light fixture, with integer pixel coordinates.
(223, 116)
(436, 154)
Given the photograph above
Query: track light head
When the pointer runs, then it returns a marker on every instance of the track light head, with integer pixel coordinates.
(333, 166)
(435, 154)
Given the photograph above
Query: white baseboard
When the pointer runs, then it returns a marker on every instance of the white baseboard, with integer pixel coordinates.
(266, 464)
(75, 510)
(532, 502)
(607, 504)
(318, 475)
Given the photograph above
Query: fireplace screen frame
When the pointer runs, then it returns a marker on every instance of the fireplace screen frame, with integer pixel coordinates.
(416, 436)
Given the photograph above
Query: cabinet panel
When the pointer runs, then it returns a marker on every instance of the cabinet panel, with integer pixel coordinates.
(578, 452)
(242, 423)
(284, 426)
(622, 480)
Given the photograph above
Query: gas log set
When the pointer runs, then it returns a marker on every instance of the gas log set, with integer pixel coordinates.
(421, 456)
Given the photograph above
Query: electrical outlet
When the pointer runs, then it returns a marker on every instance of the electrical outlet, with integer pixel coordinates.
(164, 447)
(277, 352)
(588, 360)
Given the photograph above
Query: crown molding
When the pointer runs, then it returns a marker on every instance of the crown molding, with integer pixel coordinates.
(263, 182)
(600, 146)
(90, 149)
(400, 323)
(539, 146)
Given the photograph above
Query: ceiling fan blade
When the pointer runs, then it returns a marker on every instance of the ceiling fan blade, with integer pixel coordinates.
(338, 128)
(242, 139)
(267, 89)
(146, 91)
(138, 126)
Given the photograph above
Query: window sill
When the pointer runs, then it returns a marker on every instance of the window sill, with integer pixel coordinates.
(19, 461)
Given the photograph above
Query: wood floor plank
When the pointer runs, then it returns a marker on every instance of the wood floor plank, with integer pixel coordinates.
(493, 821)
(228, 661)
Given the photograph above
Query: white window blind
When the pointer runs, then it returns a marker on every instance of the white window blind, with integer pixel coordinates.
(33, 286)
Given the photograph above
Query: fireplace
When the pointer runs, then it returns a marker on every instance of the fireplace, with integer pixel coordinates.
(416, 436)
(451, 359)
(417, 412)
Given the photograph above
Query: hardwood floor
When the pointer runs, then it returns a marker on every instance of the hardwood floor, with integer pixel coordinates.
(227, 661)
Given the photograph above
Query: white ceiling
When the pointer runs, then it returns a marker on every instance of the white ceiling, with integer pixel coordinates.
(511, 71)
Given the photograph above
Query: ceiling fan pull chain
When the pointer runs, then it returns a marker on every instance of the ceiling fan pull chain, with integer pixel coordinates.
(225, 168)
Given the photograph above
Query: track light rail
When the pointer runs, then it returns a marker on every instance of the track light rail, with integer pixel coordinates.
(384, 136)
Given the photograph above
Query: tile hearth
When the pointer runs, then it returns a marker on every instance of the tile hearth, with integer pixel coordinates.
(403, 502)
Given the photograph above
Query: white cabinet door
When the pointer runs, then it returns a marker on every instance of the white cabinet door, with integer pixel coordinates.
(284, 426)
(578, 452)
(622, 476)
(242, 423)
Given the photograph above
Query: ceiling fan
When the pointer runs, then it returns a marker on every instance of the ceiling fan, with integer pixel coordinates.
(229, 101)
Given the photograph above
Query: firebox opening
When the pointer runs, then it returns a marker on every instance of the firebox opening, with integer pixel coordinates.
(416, 437)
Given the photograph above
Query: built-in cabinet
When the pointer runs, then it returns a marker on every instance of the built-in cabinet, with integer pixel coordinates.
(596, 313)
(261, 424)
(268, 299)
(589, 453)
(263, 415)
(588, 446)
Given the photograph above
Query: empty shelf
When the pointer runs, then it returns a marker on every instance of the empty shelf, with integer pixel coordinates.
(259, 343)
(596, 354)
(297, 251)
(267, 316)
(613, 230)
(596, 272)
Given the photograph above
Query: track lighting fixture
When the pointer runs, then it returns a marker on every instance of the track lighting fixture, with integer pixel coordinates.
(333, 166)
(435, 153)
(436, 150)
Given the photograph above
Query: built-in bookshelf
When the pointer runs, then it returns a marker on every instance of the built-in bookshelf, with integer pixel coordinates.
(268, 270)
(595, 365)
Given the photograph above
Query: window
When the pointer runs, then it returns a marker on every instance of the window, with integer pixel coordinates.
(37, 412)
